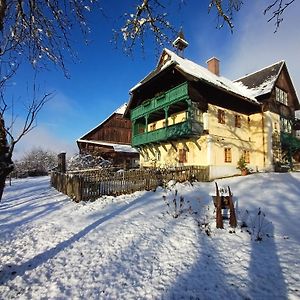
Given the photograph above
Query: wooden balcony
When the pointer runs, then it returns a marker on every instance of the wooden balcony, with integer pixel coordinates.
(187, 129)
(168, 98)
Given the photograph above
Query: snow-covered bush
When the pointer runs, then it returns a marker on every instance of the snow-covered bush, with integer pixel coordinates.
(37, 162)
(87, 161)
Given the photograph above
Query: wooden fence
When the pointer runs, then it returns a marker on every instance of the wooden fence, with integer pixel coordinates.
(89, 185)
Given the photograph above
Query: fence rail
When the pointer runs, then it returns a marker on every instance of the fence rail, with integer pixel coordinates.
(93, 184)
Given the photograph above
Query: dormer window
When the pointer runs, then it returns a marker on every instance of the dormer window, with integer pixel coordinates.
(281, 96)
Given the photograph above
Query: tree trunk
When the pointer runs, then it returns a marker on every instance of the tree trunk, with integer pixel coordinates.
(3, 175)
(2, 185)
(6, 164)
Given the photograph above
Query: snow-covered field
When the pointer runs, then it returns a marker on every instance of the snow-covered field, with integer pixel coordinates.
(131, 247)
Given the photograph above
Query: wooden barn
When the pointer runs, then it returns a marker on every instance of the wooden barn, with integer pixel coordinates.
(111, 140)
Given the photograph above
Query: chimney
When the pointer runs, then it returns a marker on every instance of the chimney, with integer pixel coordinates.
(213, 66)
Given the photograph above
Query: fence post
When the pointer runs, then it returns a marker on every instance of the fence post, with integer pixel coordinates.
(77, 188)
(62, 162)
(148, 183)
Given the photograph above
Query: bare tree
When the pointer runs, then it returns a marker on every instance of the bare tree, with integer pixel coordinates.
(7, 139)
(151, 16)
(36, 162)
(38, 32)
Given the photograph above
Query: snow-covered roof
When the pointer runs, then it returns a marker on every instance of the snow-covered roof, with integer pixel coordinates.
(116, 147)
(261, 82)
(201, 73)
(264, 88)
(119, 111)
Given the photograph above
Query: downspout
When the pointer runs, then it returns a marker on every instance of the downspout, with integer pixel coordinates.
(263, 135)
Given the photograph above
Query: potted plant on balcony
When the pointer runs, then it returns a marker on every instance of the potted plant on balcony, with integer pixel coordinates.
(242, 165)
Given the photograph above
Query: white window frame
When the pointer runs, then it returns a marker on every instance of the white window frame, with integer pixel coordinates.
(281, 96)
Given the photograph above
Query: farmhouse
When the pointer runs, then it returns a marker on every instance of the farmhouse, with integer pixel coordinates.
(111, 140)
(184, 114)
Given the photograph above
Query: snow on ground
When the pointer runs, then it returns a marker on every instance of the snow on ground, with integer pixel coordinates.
(131, 247)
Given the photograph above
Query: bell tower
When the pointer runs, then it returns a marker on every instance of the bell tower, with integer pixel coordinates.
(180, 43)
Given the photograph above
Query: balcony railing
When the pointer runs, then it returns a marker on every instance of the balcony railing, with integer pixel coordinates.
(172, 96)
(186, 129)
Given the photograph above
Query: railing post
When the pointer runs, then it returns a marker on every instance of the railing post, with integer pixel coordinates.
(146, 123)
(166, 109)
(133, 128)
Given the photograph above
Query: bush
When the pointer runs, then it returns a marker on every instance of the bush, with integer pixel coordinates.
(256, 224)
(37, 162)
(87, 161)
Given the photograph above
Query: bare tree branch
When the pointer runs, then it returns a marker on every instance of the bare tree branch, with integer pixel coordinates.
(149, 16)
(37, 31)
(32, 112)
(40, 29)
(277, 8)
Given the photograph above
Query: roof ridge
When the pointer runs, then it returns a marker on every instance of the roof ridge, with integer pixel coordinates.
(202, 73)
(220, 81)
(252, 73)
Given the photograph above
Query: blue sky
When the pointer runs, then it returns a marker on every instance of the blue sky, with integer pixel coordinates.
(102, 75)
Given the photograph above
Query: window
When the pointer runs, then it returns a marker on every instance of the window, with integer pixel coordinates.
(281, 96)
(227, 152)
(173, 117)
(182, 156)
(199, 116)
(246, 155)
(141, 128)
(221, 116)
(237, 121)
(153, 127)
(285, 125)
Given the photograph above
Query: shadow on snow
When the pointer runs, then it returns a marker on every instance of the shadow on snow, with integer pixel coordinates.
(9, 272)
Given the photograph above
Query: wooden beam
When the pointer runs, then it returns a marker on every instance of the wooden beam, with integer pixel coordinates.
(173, 145)
(197, 144)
